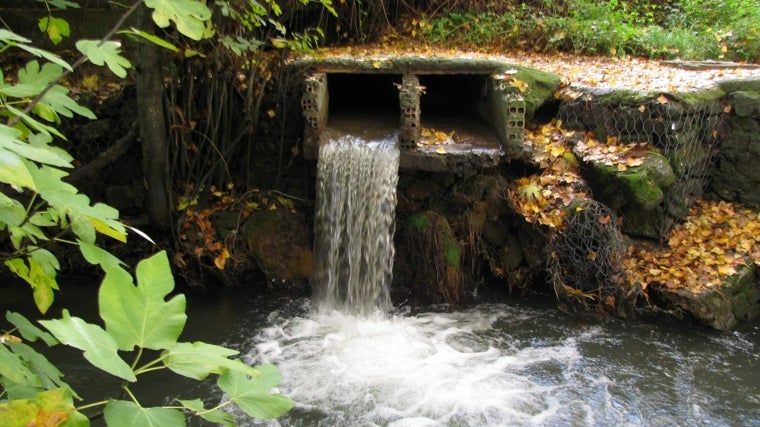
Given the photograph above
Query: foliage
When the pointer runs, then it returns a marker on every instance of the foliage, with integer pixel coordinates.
(38, 209)
(714, 242)
(137, 317)
(689, 29)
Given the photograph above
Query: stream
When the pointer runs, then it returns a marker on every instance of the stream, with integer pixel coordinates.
(513, 363)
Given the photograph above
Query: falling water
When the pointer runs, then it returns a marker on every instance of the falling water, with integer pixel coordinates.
(354, 224)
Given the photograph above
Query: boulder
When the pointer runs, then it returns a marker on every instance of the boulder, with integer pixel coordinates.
(723, 307)
(278, 240)
(737, 177)
(636, 193)
(434, 258)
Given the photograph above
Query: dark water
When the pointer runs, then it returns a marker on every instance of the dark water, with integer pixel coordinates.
(520, 362)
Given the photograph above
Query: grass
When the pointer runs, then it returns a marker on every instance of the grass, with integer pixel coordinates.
(686, 29)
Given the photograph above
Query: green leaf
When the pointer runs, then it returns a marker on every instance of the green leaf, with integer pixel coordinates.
(151, 38)
(106, 260)
(39, 78)
(58, 99)
(41, 283)
(47, 55)
(189, 16)
(99, 347)
(8, 36)
(60, 4)
(199, 359)
(47, 261)
(41, 153)
(45, 373)
(28, 330)
(216, 416)
(252, 394)
(12, 212)
(46, 218)
(34, 124)
(55, 28)
(108, 53)
(12, 367)
(138, 315)
(122, 413)
(83, 229)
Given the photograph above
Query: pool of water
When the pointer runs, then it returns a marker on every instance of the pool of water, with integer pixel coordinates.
(519, 362)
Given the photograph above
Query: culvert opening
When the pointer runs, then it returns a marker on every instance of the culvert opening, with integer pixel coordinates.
(458, 103)
(363, 102)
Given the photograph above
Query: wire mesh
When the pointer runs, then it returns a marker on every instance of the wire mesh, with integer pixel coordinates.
(686, 133)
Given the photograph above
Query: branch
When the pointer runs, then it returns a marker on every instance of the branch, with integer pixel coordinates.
(105, 158)
(14, 119)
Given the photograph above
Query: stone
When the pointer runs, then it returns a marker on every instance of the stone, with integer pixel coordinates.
(745, 103)
(737, 177)
(636, 193)
(434, 258)
(735, 300)
(278, 240)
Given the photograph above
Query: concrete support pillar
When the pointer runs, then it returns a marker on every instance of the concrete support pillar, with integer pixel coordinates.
(314, 104)
(508, 109)
(409, 99)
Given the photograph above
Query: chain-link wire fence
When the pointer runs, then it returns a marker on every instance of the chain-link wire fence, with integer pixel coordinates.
(585, 259)
(685, 131)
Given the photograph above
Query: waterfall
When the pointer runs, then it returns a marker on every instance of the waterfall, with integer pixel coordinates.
(354, 224)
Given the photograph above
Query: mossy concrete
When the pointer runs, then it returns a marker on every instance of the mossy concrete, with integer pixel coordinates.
(721, 307)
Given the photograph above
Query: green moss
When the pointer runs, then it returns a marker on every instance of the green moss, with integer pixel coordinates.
(541, 88)
(699, 99)
(431, 225)
(452, 252)
(641, 186)
(419, 223)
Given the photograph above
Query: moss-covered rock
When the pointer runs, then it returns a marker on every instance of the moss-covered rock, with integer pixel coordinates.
(435, 257)
(278, 240)
(636, 193)
(746, 103)
(722, 307)
(737, 177)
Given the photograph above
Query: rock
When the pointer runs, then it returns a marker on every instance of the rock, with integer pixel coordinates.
(511, 255)
(745, 103)
(636, 193)
(737, 177)
(278, 241)
(723, 307)
(434, 258)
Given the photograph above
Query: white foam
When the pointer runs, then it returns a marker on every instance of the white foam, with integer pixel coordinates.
(424, 370)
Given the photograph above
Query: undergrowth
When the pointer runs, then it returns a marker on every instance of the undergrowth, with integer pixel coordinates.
(686, 29)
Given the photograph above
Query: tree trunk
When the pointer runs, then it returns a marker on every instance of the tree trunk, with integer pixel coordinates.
(152, 126)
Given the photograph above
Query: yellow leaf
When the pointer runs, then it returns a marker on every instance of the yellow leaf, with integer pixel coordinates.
(271, 113)
(441, 150)
(621, 167)
(103, 228)
(662, 99)
(221, 259)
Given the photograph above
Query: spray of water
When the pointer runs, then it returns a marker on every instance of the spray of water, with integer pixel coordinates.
(354, 225)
